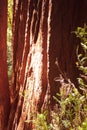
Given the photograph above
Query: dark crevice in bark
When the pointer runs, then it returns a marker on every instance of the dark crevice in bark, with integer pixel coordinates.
(21, 30)
(28, 126)
(19, 110)
(15, 29)
(15, 44)
(12, 114)
(37, 21)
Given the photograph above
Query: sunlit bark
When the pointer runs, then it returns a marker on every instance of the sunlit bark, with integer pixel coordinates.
(41, 34)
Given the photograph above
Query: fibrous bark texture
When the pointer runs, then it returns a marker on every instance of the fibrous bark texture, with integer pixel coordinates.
(41, 35)
(4, 86)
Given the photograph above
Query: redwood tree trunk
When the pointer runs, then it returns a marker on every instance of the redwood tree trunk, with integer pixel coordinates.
(4, 86)
(41, 34)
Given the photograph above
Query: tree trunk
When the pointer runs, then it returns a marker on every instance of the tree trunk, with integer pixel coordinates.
(41, 34)
(4, 86)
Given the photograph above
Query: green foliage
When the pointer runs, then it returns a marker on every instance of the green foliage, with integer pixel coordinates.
(41, 121)
(71, 110)
(81, 33)
(81, 63)
(68, 113)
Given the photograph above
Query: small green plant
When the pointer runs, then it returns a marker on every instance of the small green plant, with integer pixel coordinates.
(81, 33)
(40, 121)
(70, 110)
(81, 63)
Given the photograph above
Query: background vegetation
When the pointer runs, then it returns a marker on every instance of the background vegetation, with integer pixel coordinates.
(9, 39)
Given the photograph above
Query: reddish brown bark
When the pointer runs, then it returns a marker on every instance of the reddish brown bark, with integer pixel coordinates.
(4, 86)
(41, 34)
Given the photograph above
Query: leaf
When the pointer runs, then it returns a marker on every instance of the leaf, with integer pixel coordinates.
(56, 99)
(80, 81)
(84, 46)
(83, 60)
